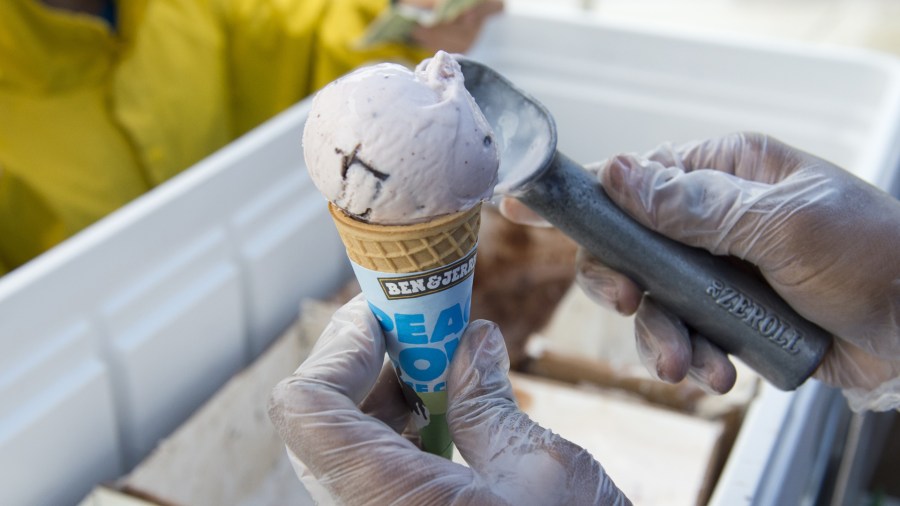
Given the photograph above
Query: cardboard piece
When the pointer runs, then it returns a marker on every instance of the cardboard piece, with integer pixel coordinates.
(656, 456)
(584, 343)
(104, 496)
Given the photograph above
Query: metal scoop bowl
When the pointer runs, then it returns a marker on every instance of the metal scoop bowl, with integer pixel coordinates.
(734, 308)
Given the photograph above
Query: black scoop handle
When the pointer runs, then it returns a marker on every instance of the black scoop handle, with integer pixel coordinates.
(732, 307)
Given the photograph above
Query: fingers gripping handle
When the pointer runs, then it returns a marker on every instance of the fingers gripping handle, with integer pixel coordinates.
(731, 307)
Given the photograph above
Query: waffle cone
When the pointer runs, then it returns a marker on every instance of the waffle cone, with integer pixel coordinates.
(408, 248)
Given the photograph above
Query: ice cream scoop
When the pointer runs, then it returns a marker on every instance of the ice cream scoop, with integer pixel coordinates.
(393, 146)
(736, 310)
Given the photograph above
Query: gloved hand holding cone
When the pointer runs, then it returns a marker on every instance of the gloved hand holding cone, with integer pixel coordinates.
(405, 160)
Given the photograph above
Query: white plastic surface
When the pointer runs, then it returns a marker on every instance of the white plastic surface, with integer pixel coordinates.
(614, 88)
(113, 338)
(783, 448)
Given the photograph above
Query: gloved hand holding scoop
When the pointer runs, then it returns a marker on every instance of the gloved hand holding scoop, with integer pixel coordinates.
(735, 309)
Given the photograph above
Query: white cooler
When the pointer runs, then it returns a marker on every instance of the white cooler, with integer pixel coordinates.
(112, 339)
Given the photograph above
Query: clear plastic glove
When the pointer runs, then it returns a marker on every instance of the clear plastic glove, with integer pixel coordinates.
(342, 424)
(826, 241)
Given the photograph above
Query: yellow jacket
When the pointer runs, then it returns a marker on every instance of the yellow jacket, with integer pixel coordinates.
(91, 117)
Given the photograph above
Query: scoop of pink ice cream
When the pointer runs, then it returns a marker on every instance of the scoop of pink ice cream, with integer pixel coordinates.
(392, 146)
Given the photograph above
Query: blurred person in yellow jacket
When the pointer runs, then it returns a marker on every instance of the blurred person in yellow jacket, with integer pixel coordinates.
(101, 100)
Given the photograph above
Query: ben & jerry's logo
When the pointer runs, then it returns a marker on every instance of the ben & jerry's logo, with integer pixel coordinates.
(433, 281)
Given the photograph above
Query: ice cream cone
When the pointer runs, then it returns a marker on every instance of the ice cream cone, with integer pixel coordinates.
(408, 248)
(418, 281)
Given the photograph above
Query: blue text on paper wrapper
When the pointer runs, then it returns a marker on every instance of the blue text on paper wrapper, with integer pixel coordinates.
(426, 345)
(421, 329)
